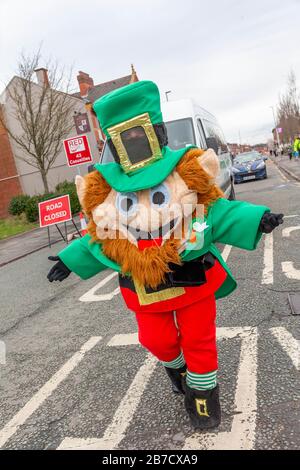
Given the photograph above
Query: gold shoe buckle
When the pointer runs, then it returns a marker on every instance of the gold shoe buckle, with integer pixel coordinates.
(201, 407)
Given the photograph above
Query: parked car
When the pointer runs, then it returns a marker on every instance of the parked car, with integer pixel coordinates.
(249, 166)
(187, 123)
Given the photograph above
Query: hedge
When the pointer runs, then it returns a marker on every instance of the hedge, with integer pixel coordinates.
(66, 187)
(17, 204)
(29, 205)
(32, 206)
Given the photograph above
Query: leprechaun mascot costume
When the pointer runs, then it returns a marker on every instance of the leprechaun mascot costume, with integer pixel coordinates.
(155, 215)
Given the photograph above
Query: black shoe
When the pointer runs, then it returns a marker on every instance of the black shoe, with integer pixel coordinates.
(177, 378)
(203, 407)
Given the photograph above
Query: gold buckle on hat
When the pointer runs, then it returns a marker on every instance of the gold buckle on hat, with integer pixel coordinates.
(144, 121)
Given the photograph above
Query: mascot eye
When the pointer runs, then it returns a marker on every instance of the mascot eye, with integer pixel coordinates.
(126, 203)
(160, 196)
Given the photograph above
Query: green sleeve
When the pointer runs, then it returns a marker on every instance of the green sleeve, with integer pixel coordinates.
(78, 258)
(236, 223)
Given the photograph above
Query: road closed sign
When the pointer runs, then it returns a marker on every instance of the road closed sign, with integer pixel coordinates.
(54, 211)
(77, 150)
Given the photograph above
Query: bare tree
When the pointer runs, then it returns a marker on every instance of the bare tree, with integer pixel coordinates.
(288, 109)
(44, 113)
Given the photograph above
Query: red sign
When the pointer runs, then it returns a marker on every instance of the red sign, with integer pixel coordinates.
(77, 150)
(55, 211)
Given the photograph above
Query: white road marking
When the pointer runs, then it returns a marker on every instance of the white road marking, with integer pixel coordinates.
(290, 271)
(115, 432)
(231, 332)
(286, 232)
(90, 296)
(226, 252)
(242, 434)
(288, 266)
(125, 412)
(124, 339)
(289, 344)
(43, 393)
(267, 277)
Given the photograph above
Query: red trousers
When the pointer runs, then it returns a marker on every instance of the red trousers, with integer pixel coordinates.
(195, 335)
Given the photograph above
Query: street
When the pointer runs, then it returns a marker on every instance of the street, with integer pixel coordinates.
(76, 378)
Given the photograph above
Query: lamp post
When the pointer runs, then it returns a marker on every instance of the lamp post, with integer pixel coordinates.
(167, 93)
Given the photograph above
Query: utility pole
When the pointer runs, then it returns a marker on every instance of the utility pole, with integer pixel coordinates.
(240, 140)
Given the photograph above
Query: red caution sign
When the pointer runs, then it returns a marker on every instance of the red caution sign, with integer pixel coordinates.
(55, 211)
(77, 150)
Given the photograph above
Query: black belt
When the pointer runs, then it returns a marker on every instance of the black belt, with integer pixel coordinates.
(189, 274)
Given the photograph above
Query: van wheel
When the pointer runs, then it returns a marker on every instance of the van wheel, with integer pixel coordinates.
(232, 193)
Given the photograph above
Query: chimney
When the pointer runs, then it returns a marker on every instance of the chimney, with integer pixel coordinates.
(85, 83)
(134, 77)
(42, 76)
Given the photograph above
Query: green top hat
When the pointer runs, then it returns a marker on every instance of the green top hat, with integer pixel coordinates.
(129, 117)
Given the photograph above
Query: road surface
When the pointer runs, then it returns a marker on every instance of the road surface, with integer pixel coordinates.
(75, 377)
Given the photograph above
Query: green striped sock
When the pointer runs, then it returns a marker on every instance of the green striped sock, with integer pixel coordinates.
(201, 381)
(178, 363)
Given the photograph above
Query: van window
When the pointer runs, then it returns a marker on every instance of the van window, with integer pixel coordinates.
(213, 130)
(106, 155)
(180, 133)
(201, 135)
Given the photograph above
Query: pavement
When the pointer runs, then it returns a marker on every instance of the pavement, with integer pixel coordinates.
(75, 377)
(21, 245)
(290, 167)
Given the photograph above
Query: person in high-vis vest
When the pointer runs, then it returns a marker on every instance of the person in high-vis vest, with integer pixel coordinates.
(296, 146)
(155, 215)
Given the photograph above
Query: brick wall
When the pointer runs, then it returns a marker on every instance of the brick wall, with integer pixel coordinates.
(9, 186)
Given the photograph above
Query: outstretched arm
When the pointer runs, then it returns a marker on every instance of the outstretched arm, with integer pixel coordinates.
(59, 271)
(240, 223)
(269, 221)
(77, 257)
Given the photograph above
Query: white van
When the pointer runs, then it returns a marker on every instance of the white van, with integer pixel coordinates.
(187, 123)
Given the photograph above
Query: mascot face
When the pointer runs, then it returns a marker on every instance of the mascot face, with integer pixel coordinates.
(144, 231)
(151, 215)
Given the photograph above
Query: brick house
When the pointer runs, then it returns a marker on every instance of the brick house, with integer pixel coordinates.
(16, 176)
(9, 179)
(89, 93)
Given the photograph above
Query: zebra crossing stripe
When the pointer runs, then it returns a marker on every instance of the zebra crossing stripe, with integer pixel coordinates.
(288, 343)
(115, 432)
(245, 400)
(43, 393)
(242, 433)
(267, 277)
(226, 252)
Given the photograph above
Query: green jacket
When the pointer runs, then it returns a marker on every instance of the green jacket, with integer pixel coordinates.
(230, 222)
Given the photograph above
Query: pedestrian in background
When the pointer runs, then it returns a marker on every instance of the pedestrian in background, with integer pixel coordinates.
(296, 147)
(290, 151)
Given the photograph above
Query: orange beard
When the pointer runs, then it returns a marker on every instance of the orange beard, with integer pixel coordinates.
(147, 267)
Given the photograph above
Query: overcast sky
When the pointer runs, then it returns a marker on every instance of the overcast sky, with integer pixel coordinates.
(232, 56)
